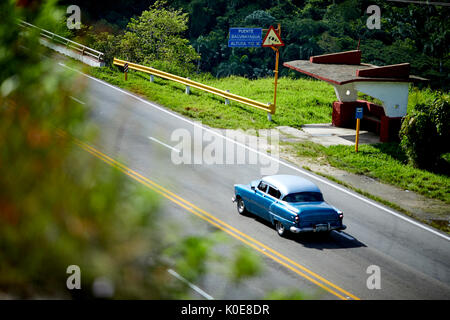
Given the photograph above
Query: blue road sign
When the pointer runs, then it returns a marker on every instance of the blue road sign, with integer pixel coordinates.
(359, 113)
(245, 37)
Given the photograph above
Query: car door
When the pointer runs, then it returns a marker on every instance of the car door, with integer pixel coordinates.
(260, 200)
(272, 195)
(265, 201)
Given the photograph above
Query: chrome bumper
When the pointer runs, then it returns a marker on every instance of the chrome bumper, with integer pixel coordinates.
(330, 228)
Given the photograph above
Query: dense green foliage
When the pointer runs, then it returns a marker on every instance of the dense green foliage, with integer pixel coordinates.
(60, 206)
(412, 33)
(154, 38)
(425, 133)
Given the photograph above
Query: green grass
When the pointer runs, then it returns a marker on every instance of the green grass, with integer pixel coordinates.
(299, 101)
(383, 161)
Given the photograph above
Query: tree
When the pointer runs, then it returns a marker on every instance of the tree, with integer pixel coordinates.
(157, 35)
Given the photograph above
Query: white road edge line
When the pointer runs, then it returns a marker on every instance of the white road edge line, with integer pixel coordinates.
(165, 145)
(192, 286)
(304, 172)
(77, 100)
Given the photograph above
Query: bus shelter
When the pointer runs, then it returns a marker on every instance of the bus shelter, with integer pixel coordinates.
(345, 72)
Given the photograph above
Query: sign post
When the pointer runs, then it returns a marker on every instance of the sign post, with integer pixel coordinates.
(277, 59)
(251, 37)
(358, 116)
(273, 40)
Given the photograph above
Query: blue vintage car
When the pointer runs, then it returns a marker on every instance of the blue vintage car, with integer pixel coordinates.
(288, 202)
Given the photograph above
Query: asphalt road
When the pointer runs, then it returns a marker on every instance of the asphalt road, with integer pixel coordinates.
(414, 260)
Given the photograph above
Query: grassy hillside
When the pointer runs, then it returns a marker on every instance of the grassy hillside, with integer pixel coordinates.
(299, 101)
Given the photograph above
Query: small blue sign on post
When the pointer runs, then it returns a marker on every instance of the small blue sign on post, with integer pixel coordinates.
(359, 113)
(245, 37)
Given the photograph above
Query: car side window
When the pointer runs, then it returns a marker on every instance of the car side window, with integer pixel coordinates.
(274, 192)
(262, 186)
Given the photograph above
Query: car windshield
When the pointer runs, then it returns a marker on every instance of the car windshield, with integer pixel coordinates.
(304, 197)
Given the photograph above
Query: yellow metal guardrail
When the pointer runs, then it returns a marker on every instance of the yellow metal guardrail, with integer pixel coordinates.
(188, 82)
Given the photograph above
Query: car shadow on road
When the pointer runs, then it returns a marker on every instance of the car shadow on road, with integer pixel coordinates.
(319, 241)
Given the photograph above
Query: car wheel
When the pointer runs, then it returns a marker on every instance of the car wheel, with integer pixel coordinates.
(241, 206)
(281, 230)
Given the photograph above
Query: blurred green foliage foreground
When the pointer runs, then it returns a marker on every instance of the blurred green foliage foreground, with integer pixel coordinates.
(60, 206)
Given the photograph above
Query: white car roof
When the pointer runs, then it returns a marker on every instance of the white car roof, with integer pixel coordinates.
(288, 184)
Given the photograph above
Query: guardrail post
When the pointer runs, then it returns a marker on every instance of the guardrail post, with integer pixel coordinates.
(269, 115)
(188, 89)
(152, 78)
(227, 102)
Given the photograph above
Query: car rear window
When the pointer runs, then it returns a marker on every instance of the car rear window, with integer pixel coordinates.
(304, 197)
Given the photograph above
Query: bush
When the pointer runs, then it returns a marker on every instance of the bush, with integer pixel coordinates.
(157, 35)
(425, 132)
(106, 43)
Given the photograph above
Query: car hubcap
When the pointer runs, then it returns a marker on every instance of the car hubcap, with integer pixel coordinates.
(241, 206)
(280, 228)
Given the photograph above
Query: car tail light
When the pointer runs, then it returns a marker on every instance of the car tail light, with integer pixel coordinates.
(341, 215)
(297, 219)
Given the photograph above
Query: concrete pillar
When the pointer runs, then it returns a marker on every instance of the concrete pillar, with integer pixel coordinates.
(346, 92)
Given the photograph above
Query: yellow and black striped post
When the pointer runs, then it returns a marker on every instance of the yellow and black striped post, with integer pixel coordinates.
(125, 70)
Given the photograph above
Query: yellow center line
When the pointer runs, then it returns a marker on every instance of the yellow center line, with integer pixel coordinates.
(260, 247)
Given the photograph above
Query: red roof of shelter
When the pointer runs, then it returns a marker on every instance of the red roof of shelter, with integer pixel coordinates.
(345, 67)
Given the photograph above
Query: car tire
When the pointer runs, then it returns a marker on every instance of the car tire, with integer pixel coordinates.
(241, 206)
(281, 230)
